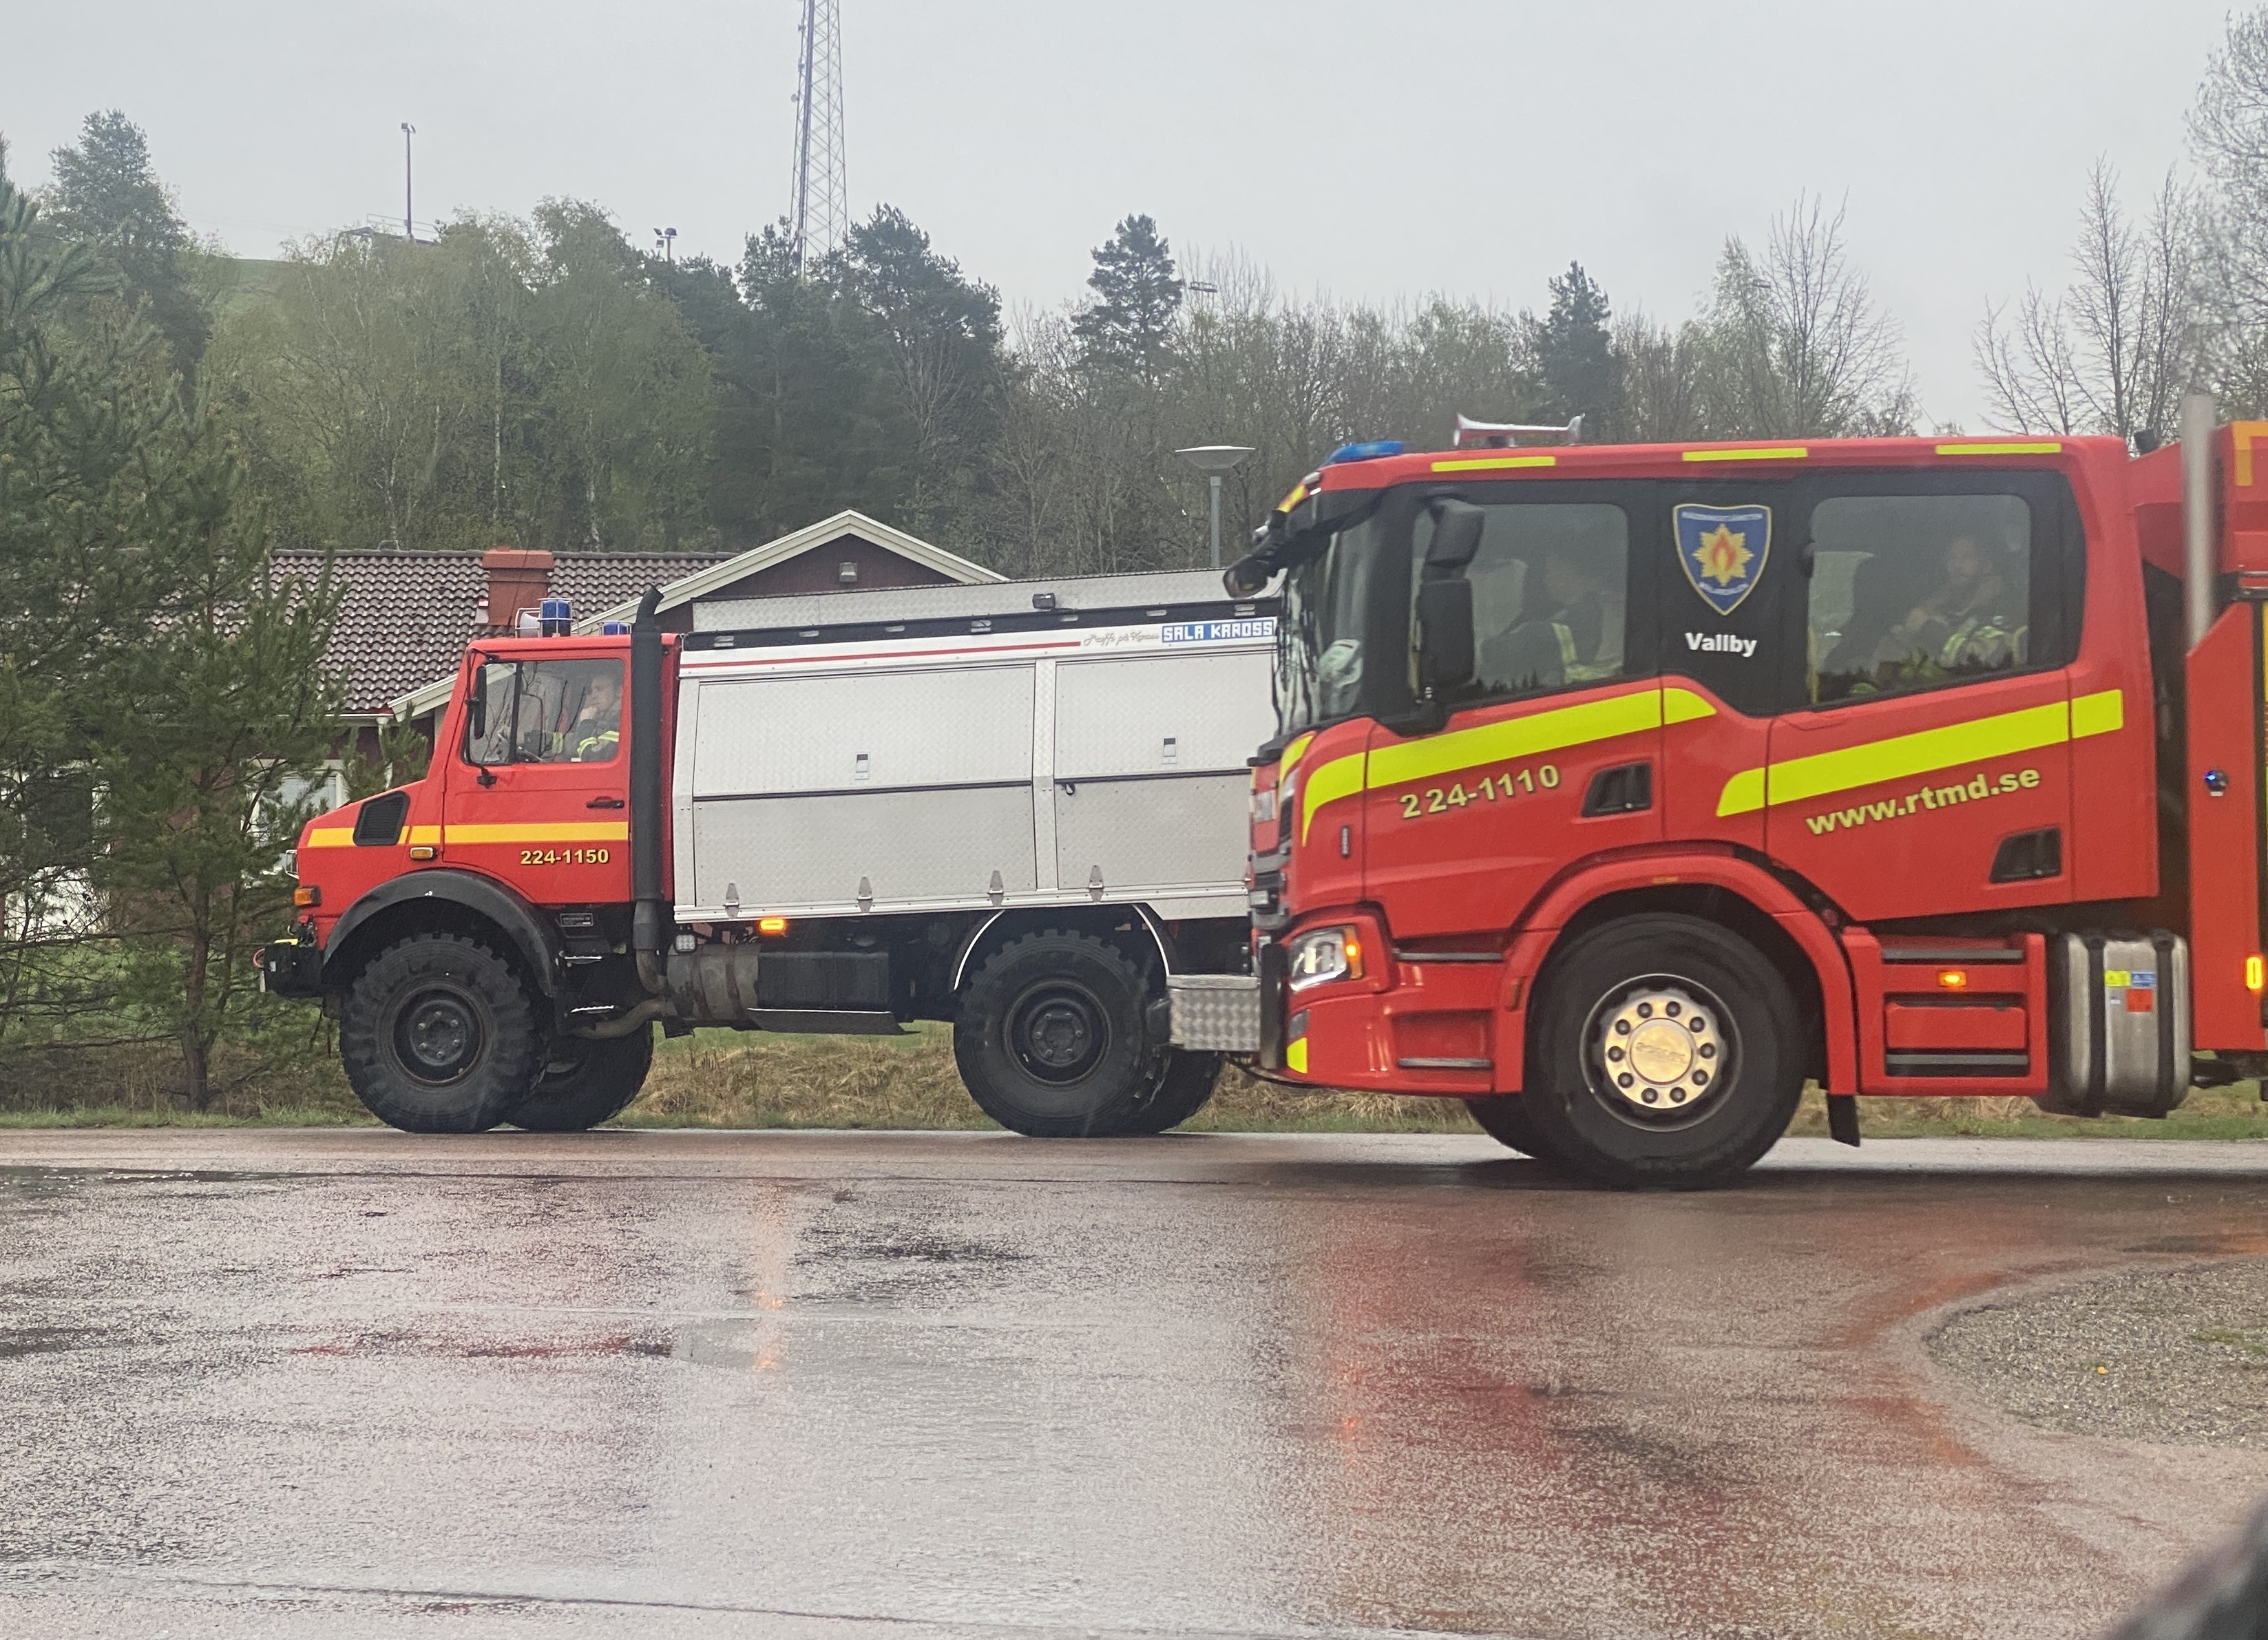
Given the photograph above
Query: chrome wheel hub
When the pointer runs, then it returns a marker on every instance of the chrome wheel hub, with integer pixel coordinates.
(1659, 1049)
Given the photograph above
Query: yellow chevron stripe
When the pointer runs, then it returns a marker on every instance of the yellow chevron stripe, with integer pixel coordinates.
(1292, 754)
(1551, 730)
(2001, 735)
(1341, 778)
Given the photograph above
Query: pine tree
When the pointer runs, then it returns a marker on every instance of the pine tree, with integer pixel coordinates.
(1137, 293)
(107, 195)
(1575, 356)
(223, 706)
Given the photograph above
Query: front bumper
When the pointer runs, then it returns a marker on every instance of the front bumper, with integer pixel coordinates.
(292, 966)
(1438, 1022)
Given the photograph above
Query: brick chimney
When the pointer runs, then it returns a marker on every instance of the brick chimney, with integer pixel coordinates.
(517, 580)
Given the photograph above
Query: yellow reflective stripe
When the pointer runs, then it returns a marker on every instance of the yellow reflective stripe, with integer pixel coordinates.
(1515, 736)
(422, 837)
(1553, 731)
(580, 831)
(2097, 714)
(1341, 778)
(330, 837)
(1743, 794)
(1477, 464)
(1295, 1055)
(1991, 450)
(1779, 452)
(2001, 735)
(1292, 754)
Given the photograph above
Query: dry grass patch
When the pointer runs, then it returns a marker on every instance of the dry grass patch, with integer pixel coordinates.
(727, 1079)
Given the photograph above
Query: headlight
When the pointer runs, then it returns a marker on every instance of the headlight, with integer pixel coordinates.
(1264, 805)
(1322, 955)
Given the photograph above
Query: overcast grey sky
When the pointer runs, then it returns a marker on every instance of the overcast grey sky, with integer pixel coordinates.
(1373, 150)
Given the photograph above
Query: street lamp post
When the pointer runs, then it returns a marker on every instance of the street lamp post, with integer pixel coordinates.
(409, 198)
(1215, 461)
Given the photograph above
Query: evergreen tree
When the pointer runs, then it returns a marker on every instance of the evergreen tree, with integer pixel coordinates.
(82, 409)
(943, 335)
(1576, 362)
(107, 195)
(1137, 293)
(223, 704)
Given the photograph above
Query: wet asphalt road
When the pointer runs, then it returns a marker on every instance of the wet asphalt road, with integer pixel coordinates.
(265, 1384)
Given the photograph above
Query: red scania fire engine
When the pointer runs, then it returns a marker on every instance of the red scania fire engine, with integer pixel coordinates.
(1620, 791)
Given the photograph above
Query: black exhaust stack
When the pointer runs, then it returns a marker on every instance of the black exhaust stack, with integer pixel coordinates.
(649, 917)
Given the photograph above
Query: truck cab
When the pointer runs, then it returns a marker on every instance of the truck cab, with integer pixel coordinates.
(1621, 791)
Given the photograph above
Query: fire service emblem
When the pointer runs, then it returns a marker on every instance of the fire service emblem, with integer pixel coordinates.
(1722, 551)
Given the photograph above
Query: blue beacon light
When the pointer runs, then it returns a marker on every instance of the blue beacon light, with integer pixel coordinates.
(1368, 450)
(558, 617)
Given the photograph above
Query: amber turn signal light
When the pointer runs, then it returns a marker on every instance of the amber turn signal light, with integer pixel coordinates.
(2255, 978)
(1953, 979)
(771, 926)
(423, 851)
(308, 896)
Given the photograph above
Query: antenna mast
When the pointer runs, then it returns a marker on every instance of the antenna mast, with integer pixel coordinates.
(821, 215)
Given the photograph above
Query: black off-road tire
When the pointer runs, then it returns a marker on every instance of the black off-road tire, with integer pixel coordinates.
(1183, 1088)
(440, 1036)
(1052, 1039)
(1711, 1003)
(587, 1081)
(1506, 1118)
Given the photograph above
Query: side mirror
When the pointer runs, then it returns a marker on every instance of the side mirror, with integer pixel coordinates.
(1445, 635)
(476, 708)
(1457, 527)
(1248, 576)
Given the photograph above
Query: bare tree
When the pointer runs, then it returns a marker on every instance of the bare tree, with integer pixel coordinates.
(2114, 353)
(1796, 345)
(2228, 129)
(1662, 379)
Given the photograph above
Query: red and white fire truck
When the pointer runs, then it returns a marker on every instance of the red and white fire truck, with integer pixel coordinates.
(1018, 806)
(1621, 791)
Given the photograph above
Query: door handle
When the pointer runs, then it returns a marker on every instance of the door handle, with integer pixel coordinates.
(604, 803)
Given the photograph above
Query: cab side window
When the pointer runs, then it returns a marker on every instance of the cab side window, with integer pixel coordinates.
(1551, 595)
(549, 711)
(1917, 592)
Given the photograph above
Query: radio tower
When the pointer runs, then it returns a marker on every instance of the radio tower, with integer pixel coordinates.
(821, 214)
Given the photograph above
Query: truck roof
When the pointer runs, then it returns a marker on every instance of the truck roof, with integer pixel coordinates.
(1699, 458)
(990, 600)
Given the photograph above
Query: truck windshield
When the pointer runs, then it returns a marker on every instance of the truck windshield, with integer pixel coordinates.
(1320, 639)
(548, 712)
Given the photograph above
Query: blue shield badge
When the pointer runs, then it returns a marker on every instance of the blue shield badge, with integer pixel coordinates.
(1723, 550)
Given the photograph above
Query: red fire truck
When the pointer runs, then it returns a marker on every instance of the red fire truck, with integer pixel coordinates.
(1620, 791)
(1017, 806)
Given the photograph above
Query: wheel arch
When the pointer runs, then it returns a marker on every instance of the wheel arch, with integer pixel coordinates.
(1117, 924)
(442, 901)
(1716, 887)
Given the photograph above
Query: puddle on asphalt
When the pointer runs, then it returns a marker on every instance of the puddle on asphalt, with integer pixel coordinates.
(51, 1340)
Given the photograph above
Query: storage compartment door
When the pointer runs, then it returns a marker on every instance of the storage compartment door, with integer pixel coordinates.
(868, 731)
(1150, 786)
(1146, 835)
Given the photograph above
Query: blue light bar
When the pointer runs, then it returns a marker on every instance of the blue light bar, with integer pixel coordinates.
(1368, 450)
(558, 617)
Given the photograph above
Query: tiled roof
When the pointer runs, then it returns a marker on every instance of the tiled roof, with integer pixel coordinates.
(407, 615)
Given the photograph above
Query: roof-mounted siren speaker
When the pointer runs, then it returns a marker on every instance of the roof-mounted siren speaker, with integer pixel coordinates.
(1503, 435)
